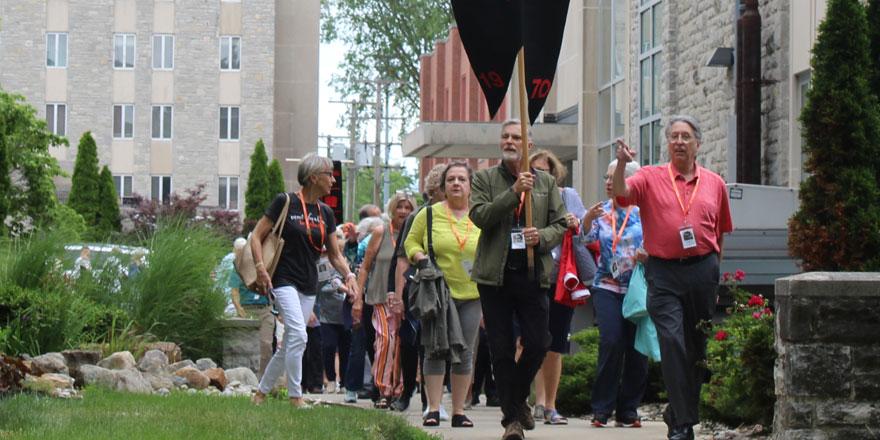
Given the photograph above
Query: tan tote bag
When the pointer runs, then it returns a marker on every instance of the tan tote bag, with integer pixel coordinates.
(272, 244)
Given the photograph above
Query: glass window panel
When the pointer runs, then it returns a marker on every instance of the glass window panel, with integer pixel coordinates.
(117, 183)
(62, 50)
(129, 51)
(166, 189)
(602, 160)
(166, 122)
(157, 122)
(155, 183)
(222, 192)
(619, 104)
(118, 50)
(233, 129)
(169, 52)
(127, 187)
(236, 53)
(117, 122)
(645, 144)
(604, 46)
(50, 117)
(224, 123)
(157, 51)
(61, 120)
(655, 83)
(645, 87)
(224, 53)
(51, 49)
(129, 121)
(619, 40)
(603, 111)
(233, 193)
(657, 24)
(645, 21)
(658, 141)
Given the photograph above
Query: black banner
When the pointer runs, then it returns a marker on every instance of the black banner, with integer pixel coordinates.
(334, 199)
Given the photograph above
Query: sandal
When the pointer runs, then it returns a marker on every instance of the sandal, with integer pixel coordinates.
(552, 417)
(461, 421)
(431, 419)
(382, 403)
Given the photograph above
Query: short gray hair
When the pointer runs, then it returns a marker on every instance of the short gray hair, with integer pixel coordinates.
(515, 121)
(432, 180)
(631, 167)
(687, 119)
(310, 165)
(367, 225)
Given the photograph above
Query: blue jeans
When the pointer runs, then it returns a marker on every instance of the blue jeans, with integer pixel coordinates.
(612, 390)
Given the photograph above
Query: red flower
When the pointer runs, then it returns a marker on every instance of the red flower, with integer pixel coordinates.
(756, 301)
(768, 312)
(756, 315)
(726, 276)
(739, 275)
(721, 335)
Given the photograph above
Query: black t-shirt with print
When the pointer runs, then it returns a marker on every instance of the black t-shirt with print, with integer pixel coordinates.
(297, 265)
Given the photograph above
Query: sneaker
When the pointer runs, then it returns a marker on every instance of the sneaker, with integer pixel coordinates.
(400, 404)
(350, 397)
(513, 431)
(330, 387)
(599, 420)
(552, 417)
(525, 417)
(628, 422)
(538, 413)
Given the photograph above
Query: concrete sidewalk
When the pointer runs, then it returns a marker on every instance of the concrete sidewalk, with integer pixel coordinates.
(487, 424)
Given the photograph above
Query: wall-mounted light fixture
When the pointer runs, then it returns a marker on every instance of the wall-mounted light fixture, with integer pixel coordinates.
(722, 57)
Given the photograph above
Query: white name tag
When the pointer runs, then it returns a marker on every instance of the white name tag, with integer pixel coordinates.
(467, 266)
(517, 239)
(325, 269)
(688, 237)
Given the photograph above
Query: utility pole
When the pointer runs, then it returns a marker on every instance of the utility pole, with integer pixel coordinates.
(351, 182)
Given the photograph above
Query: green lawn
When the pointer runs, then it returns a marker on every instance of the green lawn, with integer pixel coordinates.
(109, 415)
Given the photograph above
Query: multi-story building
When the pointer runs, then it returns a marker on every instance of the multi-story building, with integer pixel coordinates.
(176, 93)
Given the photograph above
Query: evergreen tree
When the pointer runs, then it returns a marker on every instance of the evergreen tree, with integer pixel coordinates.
(107, 220)
(837, 226)
(874, 38)
(257, 197)
(276, 179)
(85, 185)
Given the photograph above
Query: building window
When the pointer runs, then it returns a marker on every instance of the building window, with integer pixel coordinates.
(611, 41)
(56, 118)
(56, 50)
(163, 52)
(160, 189)
(123, 121)
(123, 189)
(123, 51)
(162, 119)
(650, 69)
(229, 123)
(228, 191)
(230, 53)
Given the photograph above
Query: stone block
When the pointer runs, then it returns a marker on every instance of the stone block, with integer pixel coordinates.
(95, 375)
(240, 344)
(153, 361)
(242, 375)
(159, 380)
(121, 360)
(866, 358)
(794, 414)
(841, 413)
(49, 363)
(808, 371)
(799, 434)
(75, 358)
(181, 364)
(171, 350)
(195, 378)
(217, 378)
(131, 380)
(866, 387)
(205, 364)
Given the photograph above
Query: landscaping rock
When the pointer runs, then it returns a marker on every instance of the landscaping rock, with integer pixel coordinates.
(160, 380)
(121, 360)
(132, 381)
(205, 364)
(180, 364)
(77, 358)
(171, 350)
(179, 382)
(95, 375)
(163, 391)
(217, 378)
(242, 375)
(49, 363)
(47, 382)
(154, 361)
(195, 378)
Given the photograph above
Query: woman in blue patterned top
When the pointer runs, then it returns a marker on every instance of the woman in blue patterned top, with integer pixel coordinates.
(619, 233)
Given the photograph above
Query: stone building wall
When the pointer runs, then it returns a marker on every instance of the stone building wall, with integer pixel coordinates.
(827, 381)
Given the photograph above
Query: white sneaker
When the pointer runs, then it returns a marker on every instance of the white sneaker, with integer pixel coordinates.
(330, 388)
(350, 397)
(444, 416)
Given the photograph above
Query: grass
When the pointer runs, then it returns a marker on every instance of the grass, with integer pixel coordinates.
(103, 414)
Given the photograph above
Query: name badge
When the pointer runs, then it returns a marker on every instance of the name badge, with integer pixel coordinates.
(688, 238)
(517, 239)
(615, 268)
(325, 269)
(467, 266)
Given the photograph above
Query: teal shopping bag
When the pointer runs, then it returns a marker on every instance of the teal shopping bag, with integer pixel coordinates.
(635, 302)
(646, 341)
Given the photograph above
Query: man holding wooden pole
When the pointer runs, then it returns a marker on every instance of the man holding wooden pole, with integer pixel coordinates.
(512, 289)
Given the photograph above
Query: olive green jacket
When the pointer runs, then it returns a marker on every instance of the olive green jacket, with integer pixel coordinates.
(493, 203)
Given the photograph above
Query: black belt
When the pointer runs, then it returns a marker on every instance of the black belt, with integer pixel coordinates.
(685, 260)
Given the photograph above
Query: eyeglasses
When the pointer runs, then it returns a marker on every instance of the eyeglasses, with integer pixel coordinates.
(325, 173)
(683, 137)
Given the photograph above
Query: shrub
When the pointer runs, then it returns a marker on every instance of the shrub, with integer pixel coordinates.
(579, 374)
(740, 355)
(107, 212)
(257, 195)
(148, 214)
(85, 183)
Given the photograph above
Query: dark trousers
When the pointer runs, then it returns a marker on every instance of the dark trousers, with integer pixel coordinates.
(409, 355)
(313, 369)
(335, 338)
(613, 391)
(527, 302)
(483, 380)
(360, 345)
(681, 299)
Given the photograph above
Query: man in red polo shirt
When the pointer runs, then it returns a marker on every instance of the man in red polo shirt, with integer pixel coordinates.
(685, 213)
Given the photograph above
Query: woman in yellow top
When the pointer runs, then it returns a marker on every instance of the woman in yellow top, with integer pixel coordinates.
(454, 239)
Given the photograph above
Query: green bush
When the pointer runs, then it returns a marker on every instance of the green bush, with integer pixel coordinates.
(740, 356)
(579, 374)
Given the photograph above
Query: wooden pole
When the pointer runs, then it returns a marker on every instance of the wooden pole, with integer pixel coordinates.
(524, 160)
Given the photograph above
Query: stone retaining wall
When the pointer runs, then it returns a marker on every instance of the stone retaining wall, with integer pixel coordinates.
(828, 340)
(241, 344)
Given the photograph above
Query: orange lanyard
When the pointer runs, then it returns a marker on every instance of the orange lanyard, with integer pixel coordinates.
(309, 224)
(684, 209)
(391, 230)
(461, 243)
(518, 211)
(614, 233)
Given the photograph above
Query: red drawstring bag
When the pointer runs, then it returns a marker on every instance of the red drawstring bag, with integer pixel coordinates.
(567, 281)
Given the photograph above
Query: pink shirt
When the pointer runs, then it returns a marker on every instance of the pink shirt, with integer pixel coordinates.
(662, 215)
